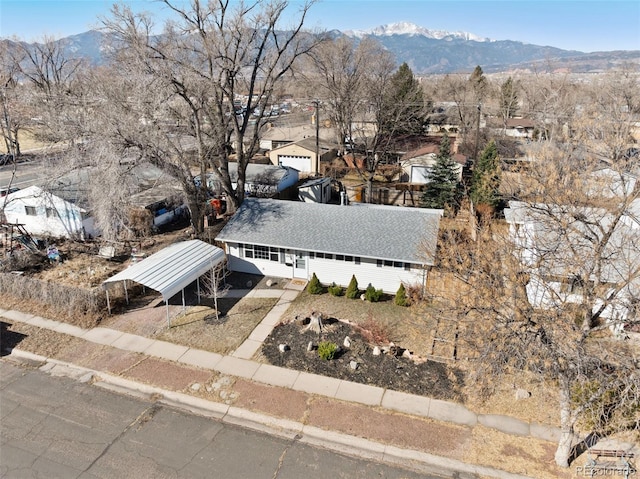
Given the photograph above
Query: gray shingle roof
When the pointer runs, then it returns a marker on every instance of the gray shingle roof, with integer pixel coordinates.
(374, 231)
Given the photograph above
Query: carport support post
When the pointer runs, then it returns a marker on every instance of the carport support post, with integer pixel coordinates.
(166, 303)
(108, 303)
(126, 293)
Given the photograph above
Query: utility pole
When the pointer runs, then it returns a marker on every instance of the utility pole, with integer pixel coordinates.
(317, 168)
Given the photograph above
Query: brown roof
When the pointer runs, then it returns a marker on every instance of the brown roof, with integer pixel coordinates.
(432, 149)
(519, 123)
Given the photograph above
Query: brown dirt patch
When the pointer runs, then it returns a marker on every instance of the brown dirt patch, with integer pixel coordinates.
(274, 401)
(167, 375)
(416, 433)
(386, 370)
(112, 360)
(44, 342)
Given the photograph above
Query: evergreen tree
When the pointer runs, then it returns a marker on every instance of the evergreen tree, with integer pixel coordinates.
(314, 286)
(404, 109)
(401, 296)
(352, 289)
(443, 187)
(485, 181)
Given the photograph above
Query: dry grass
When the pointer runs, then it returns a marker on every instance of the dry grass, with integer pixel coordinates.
(407, 327)
(198, 328)
(519, 455)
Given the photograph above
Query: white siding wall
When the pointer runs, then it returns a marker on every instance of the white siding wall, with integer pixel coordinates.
(65, 222)
(387, 278)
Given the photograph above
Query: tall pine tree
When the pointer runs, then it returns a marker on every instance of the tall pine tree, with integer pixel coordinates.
(443, 187)
(485, 180)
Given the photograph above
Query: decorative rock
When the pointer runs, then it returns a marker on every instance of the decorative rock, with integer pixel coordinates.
(407, 354)
(522, 394)
(376, 351)
(269, 283)
(363, 297)
(347, 342)
(310, 346)
(353, 365)
(195, 387)
(283, 347)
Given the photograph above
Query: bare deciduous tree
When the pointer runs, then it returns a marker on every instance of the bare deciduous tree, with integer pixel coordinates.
(182, 84)
(554, 290)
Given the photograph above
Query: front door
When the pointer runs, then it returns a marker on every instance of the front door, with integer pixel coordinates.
(300, 264)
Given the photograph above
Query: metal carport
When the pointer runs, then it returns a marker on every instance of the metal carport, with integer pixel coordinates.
(170, 270)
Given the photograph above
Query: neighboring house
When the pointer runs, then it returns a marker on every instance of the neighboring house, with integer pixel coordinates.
(278, 135)
(417, 163)
(381, 245)
(519, 128)
(301, 155)
(45, 214)
(559, 245)
(261, 180)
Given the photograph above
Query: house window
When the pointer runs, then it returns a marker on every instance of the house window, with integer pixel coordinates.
(357, 259)
(51, 213)
(324, 256)
(30, 211)
(398, 264)
(388, 263)
(379, 263)
(339, 257)
(348, 258)
(262, 252)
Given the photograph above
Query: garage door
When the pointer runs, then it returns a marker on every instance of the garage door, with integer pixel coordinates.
(300, 163)
(420, 174)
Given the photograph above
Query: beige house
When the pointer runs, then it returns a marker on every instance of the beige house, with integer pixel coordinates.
(417, 163)
(304, 155)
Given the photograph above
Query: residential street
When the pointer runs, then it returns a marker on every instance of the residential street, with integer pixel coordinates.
(60, 428)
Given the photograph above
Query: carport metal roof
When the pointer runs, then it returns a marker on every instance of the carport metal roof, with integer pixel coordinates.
(171, 269)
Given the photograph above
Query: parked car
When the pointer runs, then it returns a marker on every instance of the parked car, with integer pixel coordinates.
(8, 191)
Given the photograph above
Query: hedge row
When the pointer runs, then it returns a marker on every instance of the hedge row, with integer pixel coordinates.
(72, 303)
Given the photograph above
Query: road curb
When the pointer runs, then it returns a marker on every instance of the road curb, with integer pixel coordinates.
(335, 441)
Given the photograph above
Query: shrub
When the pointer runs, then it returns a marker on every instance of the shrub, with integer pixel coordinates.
(327, 350)
(374, 331)
(335, 290)
(401, 296)
(372, 294)
(352, 289)
(314, 286)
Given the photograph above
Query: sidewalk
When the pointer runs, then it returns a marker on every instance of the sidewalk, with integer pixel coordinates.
(428, 434)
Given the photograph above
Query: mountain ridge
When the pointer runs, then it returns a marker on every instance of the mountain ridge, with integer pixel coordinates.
(429, 52)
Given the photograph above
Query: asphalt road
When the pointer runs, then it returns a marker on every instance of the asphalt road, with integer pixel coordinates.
(53, 427)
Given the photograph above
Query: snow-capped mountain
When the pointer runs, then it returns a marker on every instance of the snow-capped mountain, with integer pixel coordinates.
(408, 28)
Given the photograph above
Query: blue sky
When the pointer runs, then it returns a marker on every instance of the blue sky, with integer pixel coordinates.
(584, 25)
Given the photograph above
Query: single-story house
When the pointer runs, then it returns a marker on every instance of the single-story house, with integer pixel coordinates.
(261, 180)
(301, 155)
(45, 214)
(381, 245)
(417, 163)
(276, 135)
(519, 128)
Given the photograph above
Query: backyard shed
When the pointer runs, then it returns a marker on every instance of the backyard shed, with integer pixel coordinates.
(171, 269)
